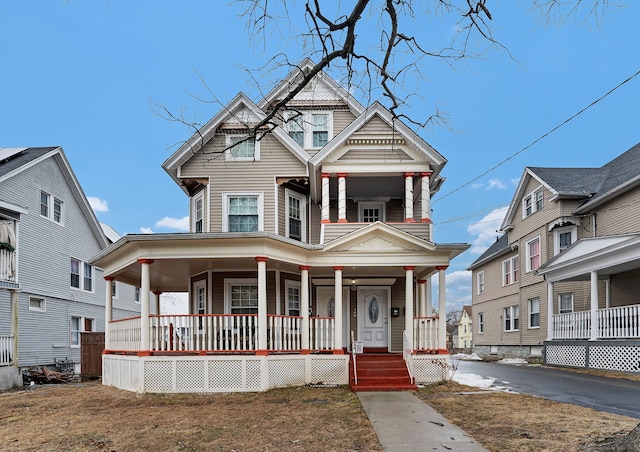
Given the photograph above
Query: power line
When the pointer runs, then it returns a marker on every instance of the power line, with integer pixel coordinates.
(537, 139)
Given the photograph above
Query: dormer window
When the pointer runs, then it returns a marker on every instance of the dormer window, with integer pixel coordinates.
(533, 202)
(310, 129)
(243, 148)
(320, 130)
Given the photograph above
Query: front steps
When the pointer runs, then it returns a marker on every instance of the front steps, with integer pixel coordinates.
(380, 372)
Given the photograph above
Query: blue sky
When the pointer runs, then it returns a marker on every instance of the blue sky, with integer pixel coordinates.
(84, 74)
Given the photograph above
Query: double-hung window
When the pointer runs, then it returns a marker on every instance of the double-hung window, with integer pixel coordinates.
(532, 202)
(241, 296)
(563, 238)
(296, 206)
(79, 325)
(293, 298)
(480, 282)
(51, 210)
(242, 148)
(533, 254)
(534, 313)
(310, 129)
(198, 213)
(81, 275)
(320, 130)
(243, 212)
(296, 129)
(511, 318)
(480, 322)
(510, 269)
(565, 303)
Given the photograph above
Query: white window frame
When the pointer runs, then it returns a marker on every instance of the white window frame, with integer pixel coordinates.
(199, 198)
(480, 282)
(512, 313)
(573, 230)
(225, 207)
(298, 120)
(480, 322)
(42, 304)
(529, 256)
(75, 333)
(534, 200)
(228, 155)
(513, 275)
(228, 285)
(136, 296)
(290, 284)
(303, 213)
(114, 288)
(571, 298)
(50, 207)
(82, 276)
(308, 125)
(380, 205)
(531, 309)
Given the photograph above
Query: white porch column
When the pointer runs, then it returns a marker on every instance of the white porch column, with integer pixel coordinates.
(325, 198)
(262, 305)
(145, 321)
(304, 307)
(342, 197)
(13, 295)
(337, 331)
(408, 303)
(425, 200)
(429, 300)
(156, 299)
(408, 198)
(108, 308)
(549, 311)
(594, 306)
(442, 308)
(422, 297)
(607, 292)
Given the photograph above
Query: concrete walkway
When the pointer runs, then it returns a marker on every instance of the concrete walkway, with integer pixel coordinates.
(405, 423)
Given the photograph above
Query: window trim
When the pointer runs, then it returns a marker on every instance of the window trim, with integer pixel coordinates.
(114, 289)
(229, 283)
(514, 272)
(303, 213)
(514, 314)
(82, 322)
(228, 155)
(308, 126)
(199, 198)
(381, 205)
(136, 295)
(573, 229)
(570, 294)
(43, 304)
(535, 203)
(480, 322)
(50, 207)
(528, 256)
(225, 208)
(291, 284)
(82, 277)
(480, 283)
(531, 313)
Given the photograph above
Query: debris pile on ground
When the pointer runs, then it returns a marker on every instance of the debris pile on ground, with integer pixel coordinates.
(615, 443)
(42, 375)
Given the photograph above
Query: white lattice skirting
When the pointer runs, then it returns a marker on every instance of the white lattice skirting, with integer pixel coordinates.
(430, 368)
(618, 356)
(202, 374)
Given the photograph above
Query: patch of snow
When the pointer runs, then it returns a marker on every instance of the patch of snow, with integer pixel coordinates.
(466, 357)
(513, 361)
(474, 380)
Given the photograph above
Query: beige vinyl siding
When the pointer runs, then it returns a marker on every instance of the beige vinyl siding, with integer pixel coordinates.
(619, 216)
(549, 212)
(398, 297)
(581, 291)
(493, 328)
(533, 336)
(239, 176)
(625, 288)
(341, 119)
(395, 211)
(315, 225)
(493, 288)
(375, 126)
(382, 153)
(218, 279)
(567, 207)
(530, 277)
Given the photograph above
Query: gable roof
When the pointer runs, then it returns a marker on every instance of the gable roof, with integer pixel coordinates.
(498, 248)
(28, 157)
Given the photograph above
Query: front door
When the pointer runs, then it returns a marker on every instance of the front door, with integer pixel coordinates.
(373, 316)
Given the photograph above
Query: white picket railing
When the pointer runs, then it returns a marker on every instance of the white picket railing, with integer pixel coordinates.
(407, 354)
(283, 333)
(6, 350)
(321, 333)
(572, 325)
(425, 334)
(619, 323)
(7, 265)
(124, 334)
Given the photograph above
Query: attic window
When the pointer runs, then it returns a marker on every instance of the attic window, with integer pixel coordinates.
(310, 129)
(533, 202)
(243, 148)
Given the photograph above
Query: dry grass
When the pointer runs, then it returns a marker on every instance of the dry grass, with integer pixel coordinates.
(516, 422)
(91, 417)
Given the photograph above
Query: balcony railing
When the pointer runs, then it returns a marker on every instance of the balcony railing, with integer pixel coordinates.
(612, 323)
(332, 231)
(6, 350)
(425, 333)
(7, 265)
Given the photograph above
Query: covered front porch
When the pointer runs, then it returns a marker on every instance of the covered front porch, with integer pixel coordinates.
(607, 335)
(283, 317)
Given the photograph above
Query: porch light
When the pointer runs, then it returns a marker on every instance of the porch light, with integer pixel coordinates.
(353, 285)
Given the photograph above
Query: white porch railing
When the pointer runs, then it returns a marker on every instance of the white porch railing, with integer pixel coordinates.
(612, 323)
(425, 333)
(6, 350)
(219, 332)
(407, 354)
(7, 265)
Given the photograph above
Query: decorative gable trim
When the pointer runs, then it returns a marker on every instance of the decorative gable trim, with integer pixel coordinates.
(378, 237)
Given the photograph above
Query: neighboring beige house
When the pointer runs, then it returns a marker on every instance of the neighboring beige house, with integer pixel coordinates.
(316, 235)
(465, 329)
(571, 235)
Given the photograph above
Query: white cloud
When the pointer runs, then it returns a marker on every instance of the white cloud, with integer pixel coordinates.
(496, 183)
(146, 230)
(97, 204)
(486, 230)
(180, 224)
(477, 185)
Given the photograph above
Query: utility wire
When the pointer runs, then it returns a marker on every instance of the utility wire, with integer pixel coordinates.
(537, 139)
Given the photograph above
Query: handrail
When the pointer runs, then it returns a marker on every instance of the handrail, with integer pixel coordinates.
(353, 353)
(407, 354)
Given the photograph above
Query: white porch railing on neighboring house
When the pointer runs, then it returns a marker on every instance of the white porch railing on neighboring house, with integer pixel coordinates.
(620, 322)
(219, 333)
(6, 350)
(407, 354)
(425, 334)
(7, 265)
(572, 325)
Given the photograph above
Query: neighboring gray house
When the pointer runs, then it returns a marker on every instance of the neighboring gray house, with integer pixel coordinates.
(562, 282)
(49, 292)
